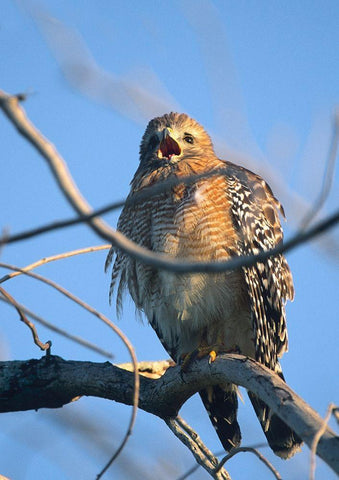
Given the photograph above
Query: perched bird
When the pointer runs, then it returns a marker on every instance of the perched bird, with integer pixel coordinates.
(229, 214)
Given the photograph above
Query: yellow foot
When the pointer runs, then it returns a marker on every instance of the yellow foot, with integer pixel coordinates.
(211, 351)
(212, 356)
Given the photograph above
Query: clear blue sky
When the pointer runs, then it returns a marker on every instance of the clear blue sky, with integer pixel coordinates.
(262, 77)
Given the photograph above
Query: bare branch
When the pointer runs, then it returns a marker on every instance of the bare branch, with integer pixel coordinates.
(118, 450)
(193, 443)
(138, 197)
(189, 430)
(24, 319)
(316, 439)
(108, 322)
(256, 452)
(77, 300)
(64, 333)
(52, 382)
(53, 258)
(328, 176)
(196, 466)
(16, 114)
(128, 97)
(6, 238)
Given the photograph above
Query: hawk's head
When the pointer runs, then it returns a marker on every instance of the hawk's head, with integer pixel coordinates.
(173, 137)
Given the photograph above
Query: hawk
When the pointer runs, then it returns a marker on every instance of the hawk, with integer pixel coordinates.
(215, 218)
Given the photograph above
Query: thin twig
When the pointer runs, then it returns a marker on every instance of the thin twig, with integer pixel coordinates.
(117, 452)
(16, 114)
(116, 329)
(130, 98)
(144, 194)
(195, 467)
(176, 265)
(199, 455)
(194, 436)
(53, 258)
(317, 438)
(256, 452)
(328, 176)
(64, 333)
(24, 319)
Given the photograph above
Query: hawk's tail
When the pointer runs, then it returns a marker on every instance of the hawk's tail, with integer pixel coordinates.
(281, 438)
(221, 404)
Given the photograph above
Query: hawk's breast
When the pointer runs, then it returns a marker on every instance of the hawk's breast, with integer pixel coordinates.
(195, 224)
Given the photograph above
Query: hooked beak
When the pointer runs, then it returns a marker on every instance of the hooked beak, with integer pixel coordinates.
(168, 146)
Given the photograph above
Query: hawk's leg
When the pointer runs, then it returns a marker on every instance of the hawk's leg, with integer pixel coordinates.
(220, 401)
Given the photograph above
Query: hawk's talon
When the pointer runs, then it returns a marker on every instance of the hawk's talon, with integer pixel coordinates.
(212, 356)
(211, 351)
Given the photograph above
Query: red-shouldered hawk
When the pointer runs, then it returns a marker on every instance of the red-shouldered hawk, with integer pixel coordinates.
(216, 218)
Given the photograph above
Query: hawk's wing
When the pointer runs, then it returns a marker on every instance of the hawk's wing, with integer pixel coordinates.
(255, 213)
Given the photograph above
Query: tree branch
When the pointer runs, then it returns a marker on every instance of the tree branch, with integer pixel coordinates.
(256, 452)
(202, 455)
(52, 382)
(16, 114)
(64, 333)
(24, 319)
(328, 176)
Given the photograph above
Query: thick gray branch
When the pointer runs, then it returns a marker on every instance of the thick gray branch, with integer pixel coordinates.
(52, 382)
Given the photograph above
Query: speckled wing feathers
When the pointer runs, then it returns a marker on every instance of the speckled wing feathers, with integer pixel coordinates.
(256, 216)
(255, 213)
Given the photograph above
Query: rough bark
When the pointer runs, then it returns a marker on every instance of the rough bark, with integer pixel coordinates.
(52, 382)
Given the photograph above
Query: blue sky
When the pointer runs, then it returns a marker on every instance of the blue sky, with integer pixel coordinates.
(262, 77)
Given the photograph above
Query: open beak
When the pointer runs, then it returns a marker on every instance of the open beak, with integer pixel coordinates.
(168, 146)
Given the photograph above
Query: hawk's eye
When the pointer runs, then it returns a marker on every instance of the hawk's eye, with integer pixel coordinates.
(153, 142)
(188, 138)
